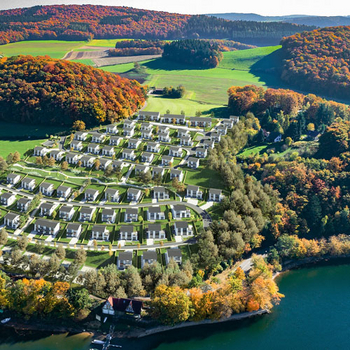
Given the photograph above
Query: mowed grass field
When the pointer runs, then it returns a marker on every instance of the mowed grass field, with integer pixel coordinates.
(8, 146)
(206, 88)
(52, 48)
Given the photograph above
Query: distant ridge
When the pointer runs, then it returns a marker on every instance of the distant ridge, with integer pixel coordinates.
(85, 22)
(318, 21)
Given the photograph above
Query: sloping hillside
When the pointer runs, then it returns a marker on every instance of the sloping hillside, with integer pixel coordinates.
(83, 22)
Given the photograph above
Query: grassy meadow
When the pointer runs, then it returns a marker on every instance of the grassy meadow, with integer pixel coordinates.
(52, 48)
(8, 146)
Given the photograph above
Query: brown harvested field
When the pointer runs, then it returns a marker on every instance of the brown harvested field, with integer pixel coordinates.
(111, 61)
(79, 55)
(101, 59)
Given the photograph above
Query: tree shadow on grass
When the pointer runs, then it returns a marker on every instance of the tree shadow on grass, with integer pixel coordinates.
(269, 69)
(163, 64)
(219, 112)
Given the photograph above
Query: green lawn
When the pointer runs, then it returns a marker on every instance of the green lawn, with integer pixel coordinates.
(52, 48)
(205, 178)
(21, 146)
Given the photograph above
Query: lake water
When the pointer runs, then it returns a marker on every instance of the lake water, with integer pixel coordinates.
(315, 314)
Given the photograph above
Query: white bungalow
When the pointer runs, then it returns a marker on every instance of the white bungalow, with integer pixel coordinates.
(66, 213)
(28, 184)
(108, 151)
(97, 137)
(175, 151)
(182, 228)
(111, 195)
(166, 160)
(46, 227)
(13, 179)
(93, 148)
(153, 147)
(73, 230)
(46, 189)
(201, 152)
(40, 151)
(128, 233)
(7, 199)
(176, 173)
(12, 221)
(215, 195)
(115, 140)
(57, 155)
(153, 116)
(155, 231)
(81, 136)
(154, 214)
(160, 193)
(193, 163)
(134, 143)
(91, 194)
(128, 154)
(147, 157)
(63, 191)
(112, 129)
(131, 214)
(194, 192)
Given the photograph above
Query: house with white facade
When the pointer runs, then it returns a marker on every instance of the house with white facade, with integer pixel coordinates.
(124, 259)
(175, 173)
(147, 157)
(7, 199)
(115, 140)
(74, 230)
(112, 129)
(167, 160)
(93, 148)
(154, 214)
(46, 227)
(175, 151)
(153, 147)
(155, 231)
(201, 152)
(148, 257)
(86, 214)
(160, 193)
(40, 151)
(180, 211)
(175, 254)
(80, 136)
(152, 116)
(100, 233)
(112, 195)
(157, 171)
(91, 194)
(12, 221)
(13, 178)
(108, 215)
(133, 194)
(66, 213)
(63, 191)
(183, 229)
(28, 184)
(193, 162)
(174, 119)
(215, 195)
(46, 209)
(186, 141)
(134, 143)
(128, 233)
(87, 161)
(131, 215)
(46, 189)
(108, 151)
(201, 122)
(73, 158)
(57, 155)
(128, 154)
(97, 137)
(23, 204)
(194, 192)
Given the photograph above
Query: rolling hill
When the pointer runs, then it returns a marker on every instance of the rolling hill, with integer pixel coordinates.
(317, 21)
(84, 22)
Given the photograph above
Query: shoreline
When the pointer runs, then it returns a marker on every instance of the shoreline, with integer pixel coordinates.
(141, 333)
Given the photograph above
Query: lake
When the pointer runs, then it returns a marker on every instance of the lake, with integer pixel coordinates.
(315, 314)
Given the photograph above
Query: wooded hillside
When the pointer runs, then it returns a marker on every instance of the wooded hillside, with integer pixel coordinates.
(318, 61)
(83, 22)
(42, 90)
(199, 53)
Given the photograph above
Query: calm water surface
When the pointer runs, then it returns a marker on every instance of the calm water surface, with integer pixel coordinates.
(315, 314)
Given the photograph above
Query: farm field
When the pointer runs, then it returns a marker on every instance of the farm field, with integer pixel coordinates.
(52, 48)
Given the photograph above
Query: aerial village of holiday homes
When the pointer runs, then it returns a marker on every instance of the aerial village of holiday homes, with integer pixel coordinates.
(139, 223)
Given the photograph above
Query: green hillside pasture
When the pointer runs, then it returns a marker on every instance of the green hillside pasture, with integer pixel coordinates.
(245, 59)
(6, 147)
(104, 43)
(52, 48)
(207, 88)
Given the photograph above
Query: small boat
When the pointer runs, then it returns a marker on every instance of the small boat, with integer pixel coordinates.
(96, 341)
(5, 320)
